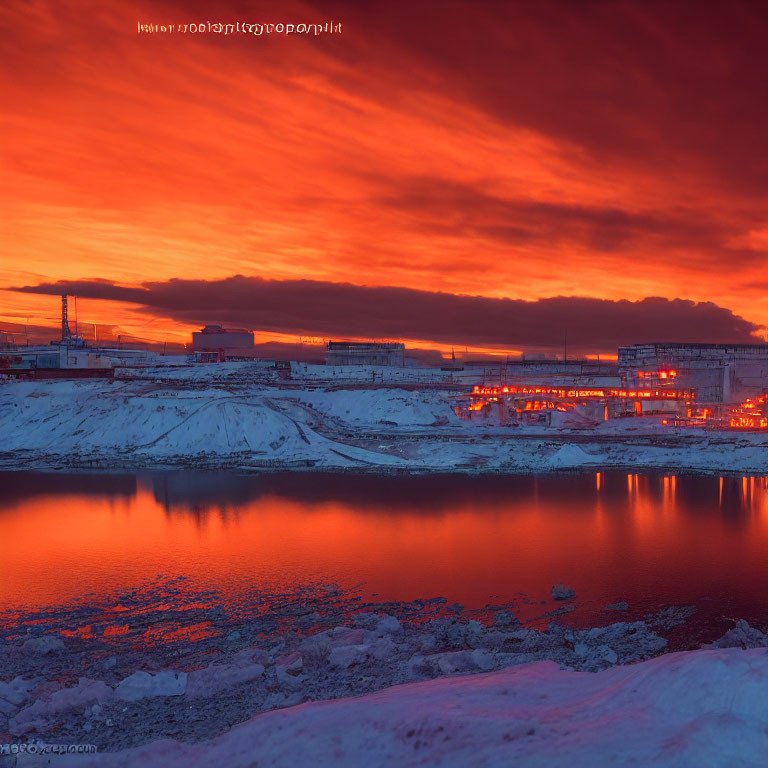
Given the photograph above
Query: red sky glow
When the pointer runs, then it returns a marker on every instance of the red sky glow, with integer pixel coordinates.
(447, 155)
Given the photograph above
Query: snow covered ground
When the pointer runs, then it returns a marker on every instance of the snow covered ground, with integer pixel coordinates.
(231, 416)
(698, 708)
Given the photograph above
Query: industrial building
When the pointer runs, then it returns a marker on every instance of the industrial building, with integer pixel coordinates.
(720, 373)
(543, 372)
(365, 353)
(226, 342)
(570, 406)
(68, 357)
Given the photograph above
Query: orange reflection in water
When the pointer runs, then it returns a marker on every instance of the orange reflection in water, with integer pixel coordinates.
(646, 539)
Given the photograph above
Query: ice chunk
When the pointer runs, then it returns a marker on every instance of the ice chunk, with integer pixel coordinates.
(217, 677)
(382, 648)
(36, 716)
(143, 685)
(16, 692)
(388, 625)
(505, 619)
(561, 592)
(742, 636)
(345, 656)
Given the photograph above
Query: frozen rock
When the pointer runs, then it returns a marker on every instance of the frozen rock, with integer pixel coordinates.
(630, 641)
(599, 657)
(37, 716)
(290, 662)
(453, 661)
(382, 648)
(742, 636)
(321, 643)
(482, 659)
(561, 592)
(345, 636)
(623, 606)
(217, 677)
(365, 620)
(143, 685)
(416, 666)
(316, 648)
(288, 681)
(15, 693)
(85, 692)
(232, 636)
(505, 619)
(388, 625)
(109, 663)
(258, 656)
(345, 656)
(32, 718)
(452, 632)
(493, 638)
(525, 640)
(42, 646)
(287, 669)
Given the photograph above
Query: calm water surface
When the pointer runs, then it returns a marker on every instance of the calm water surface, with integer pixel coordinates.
(651, 540)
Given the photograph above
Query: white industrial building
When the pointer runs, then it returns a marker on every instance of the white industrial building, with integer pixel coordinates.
(365, 353)
(720, 373)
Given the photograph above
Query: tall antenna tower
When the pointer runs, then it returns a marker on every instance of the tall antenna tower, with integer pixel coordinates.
(66, 334)
(67, 337)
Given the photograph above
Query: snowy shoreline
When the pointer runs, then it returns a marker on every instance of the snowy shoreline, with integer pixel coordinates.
(166, 675)
(253, 427)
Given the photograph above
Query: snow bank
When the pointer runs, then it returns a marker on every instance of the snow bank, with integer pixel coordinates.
(242, 422)
(697, 708)
(374, 407)
(570, 456)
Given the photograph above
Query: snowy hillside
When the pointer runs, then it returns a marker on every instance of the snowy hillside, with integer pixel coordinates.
(221, 416)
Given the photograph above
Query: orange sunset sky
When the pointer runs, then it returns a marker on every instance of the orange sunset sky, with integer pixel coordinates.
(489, 175)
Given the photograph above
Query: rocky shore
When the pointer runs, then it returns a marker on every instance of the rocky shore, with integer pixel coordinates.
(165, 664)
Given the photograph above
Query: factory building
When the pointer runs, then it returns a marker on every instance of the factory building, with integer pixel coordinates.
(226, 341)
(569, 406)
(720, 373)
(542, 372)
(365, 353)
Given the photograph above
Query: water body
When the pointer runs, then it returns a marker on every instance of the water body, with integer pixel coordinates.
(650, 540)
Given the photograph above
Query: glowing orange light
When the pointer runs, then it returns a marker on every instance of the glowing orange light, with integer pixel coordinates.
(633, 394)
(749, 422)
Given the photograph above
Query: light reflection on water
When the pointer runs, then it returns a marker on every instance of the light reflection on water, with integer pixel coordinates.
(648, 539)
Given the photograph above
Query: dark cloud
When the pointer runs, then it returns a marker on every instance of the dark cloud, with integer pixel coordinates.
(345, 310)
(667, 86)
(451, 206)
(660, 85)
